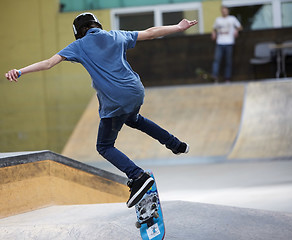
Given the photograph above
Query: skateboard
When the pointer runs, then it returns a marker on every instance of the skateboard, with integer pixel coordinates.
(149, 214)
(204, 75)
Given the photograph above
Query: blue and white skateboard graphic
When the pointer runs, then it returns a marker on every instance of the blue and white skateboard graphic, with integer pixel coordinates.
(149, 214)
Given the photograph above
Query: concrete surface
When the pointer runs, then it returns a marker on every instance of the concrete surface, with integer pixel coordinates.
(264, 184)
(183, 220)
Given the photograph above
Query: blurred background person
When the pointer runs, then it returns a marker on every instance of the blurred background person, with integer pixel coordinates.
(225, 30)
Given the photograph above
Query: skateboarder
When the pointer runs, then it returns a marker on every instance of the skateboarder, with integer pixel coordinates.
(119, 89)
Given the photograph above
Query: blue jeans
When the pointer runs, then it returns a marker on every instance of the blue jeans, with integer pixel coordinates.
(220, 52)
(108, 132)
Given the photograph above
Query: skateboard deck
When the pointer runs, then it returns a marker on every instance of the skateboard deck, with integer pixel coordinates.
(149, 214)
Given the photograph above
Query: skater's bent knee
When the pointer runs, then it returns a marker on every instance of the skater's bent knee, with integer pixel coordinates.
(101, 149)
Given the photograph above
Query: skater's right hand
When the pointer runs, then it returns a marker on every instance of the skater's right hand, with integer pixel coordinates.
(12, 75)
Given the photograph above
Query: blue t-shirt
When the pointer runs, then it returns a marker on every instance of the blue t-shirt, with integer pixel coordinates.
(103, 54)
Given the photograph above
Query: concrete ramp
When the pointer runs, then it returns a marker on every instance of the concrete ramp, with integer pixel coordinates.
(207, 117)
(234, 121)
(183, 220)
(266, 128)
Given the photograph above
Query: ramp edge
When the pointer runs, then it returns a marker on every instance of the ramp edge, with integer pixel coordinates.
(37, 156)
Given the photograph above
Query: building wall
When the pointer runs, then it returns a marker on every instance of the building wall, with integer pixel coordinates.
(211, 10)
(40, 111)
(186, 59)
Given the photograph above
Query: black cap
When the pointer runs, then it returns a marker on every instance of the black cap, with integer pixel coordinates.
(81, 20)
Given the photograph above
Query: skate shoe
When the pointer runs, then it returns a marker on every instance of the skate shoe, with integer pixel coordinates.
(182, 148)
(138, 188)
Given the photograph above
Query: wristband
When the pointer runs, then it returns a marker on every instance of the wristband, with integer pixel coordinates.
(19, 73)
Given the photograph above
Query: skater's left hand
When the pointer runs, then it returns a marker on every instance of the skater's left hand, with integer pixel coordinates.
(186, 24)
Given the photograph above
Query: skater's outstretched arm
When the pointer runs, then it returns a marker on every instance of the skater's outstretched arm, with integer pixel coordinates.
(161, 31)
(14, 74)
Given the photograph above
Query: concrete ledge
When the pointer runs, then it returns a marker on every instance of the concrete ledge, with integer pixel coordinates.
(183, 220)
(34, 180)
(12, 159)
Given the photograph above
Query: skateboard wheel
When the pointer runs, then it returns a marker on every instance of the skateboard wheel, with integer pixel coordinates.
(138, 225)
(156, 214)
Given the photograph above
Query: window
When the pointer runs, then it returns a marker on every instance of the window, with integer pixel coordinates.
(286, 8)
(138, 22)
(261, 14)
(254, 17)
(140, 18)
